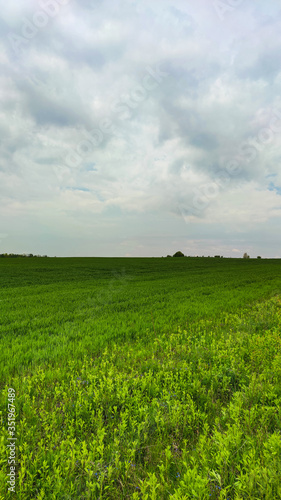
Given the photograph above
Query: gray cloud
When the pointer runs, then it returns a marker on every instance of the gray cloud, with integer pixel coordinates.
(121, 116)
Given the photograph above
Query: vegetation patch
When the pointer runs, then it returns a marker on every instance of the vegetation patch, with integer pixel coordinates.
(113, 403)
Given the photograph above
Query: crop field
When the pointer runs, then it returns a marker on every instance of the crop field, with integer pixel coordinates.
(149, 379)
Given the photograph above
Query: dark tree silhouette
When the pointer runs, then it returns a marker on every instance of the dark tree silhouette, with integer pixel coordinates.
(178, 254)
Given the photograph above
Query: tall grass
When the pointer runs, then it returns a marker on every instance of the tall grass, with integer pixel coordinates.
(113, 403)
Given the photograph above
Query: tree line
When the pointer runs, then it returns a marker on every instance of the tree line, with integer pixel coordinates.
(24, 255)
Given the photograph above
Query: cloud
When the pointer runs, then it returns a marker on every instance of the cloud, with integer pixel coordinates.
(131, 112)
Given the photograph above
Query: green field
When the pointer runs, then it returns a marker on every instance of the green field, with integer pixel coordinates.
(141, 378)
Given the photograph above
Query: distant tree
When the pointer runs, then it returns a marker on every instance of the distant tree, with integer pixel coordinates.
(246, 256)
(217, 256)
(178, 254)
(169, 256)
(258, 257)
(19, 255)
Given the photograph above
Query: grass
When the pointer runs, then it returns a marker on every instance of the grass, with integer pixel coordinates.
(142, 378)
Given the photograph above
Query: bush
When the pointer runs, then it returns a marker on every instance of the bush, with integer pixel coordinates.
(178, 254)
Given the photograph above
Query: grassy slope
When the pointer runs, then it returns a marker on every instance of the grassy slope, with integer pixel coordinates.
(140, 377)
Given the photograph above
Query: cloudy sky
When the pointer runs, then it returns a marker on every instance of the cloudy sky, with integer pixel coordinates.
(139, 128)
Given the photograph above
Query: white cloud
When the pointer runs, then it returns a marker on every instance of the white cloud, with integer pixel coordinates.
(164, 140)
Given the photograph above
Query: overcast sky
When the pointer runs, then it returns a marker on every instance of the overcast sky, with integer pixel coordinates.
(139, 128)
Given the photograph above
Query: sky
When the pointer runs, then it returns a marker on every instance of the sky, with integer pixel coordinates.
(139, 128)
